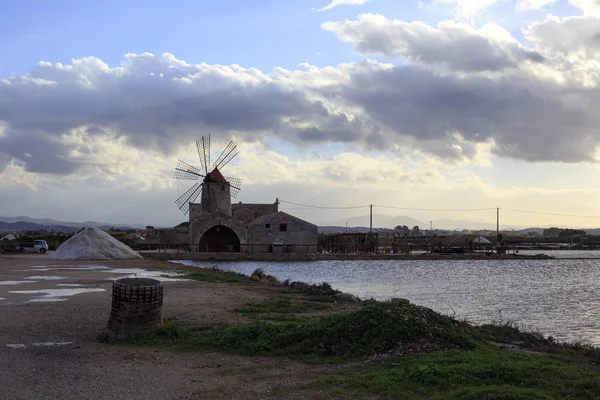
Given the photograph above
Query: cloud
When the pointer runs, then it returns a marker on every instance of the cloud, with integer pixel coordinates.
(523, 5)
(155, 103)
(456, 45)
(457, 93)
(589, 7)
(571, 38)
(337, 3)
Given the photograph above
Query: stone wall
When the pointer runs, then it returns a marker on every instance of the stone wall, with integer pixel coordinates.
(216, 196)
(296, 235)
(199, 226)
(195, 211)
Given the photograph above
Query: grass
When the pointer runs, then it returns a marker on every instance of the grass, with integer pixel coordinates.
(282, 306)
(413, 353)
(215, 276)
(488, 373)
(375, 328)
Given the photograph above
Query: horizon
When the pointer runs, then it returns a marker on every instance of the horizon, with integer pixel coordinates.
(447, 223)
(447, 105)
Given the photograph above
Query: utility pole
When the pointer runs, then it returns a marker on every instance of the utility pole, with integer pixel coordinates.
(497, 227)
(431, 225)
(371, 229)
(371, 220)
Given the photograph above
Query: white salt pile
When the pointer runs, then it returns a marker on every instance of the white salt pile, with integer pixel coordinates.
(93, 244)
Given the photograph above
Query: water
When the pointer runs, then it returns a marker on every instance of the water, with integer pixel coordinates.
(560, 298)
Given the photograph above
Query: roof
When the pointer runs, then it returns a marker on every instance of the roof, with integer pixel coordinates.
(217, 176)
(280, 216)
(481, 240)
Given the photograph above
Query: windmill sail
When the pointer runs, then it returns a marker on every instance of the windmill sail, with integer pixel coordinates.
(184, 170)
(227, 155)
(203, 146)
(183, 202)
(204, 177)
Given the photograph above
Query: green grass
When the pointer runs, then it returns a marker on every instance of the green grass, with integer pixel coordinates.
(487, 373)
(215, 276)
(375, 328)
(281, 306)
(425, 354)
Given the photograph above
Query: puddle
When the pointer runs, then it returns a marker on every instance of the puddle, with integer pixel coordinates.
(68, 268)
(142, 273)
(46, 300)
(70, 284)
(2, 298)
(46, 278)
(16, 346)
(48, 344)
(51, 295)
(7, 283)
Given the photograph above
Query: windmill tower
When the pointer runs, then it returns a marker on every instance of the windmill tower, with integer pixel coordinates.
(214, 189)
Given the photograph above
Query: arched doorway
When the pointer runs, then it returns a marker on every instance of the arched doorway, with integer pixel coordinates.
(219, 239)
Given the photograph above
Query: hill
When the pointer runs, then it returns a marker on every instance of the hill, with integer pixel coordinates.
(47, 222)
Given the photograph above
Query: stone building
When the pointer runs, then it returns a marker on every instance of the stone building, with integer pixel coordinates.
(216, 225)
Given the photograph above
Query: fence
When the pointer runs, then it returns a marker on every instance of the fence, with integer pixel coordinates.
(177, 248)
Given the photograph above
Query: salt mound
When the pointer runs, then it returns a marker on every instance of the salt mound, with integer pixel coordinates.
(93, 244)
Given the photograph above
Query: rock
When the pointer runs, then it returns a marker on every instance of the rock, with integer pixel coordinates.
(347, 297)
(300, 285)
(255, 278)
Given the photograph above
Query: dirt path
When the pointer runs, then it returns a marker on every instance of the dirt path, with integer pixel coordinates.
(81, 368)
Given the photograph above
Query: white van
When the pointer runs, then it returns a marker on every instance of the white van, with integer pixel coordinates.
(40, 246)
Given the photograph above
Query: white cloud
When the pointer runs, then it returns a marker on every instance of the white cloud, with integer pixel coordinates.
(589, 7)
(523, 5)
(456, 45)
(337, 3)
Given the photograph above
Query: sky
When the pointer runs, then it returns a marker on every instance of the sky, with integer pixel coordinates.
(430, 108)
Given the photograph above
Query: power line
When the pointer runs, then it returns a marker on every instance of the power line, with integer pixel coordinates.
(434, 209)
(308, 206)
(554, 214)
(321, 207)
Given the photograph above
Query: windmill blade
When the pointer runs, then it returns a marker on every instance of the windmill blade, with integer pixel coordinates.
(183, 202)
(227, 155)
(235, 185)
(203, 146)
(184, 170)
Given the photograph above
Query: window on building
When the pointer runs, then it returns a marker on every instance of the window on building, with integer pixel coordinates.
(282, 227)
(267, 226)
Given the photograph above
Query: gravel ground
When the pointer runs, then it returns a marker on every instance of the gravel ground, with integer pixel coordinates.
(81, 368)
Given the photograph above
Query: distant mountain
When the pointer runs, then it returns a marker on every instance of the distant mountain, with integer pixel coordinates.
(50, 223)
(30, 226)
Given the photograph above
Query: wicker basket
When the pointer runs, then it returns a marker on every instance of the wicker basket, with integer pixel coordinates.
(136, 308)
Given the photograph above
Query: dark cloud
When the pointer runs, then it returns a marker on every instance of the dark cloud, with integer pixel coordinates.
(157, 102)
(38, 152)
(486, 92)
(534, 122)
(456, 45)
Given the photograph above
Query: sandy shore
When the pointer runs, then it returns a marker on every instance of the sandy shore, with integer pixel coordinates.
(78, 367)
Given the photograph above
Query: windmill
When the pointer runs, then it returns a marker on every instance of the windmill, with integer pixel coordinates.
(215, 189)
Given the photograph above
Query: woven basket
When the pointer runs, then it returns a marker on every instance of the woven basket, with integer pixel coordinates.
(136, 308)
